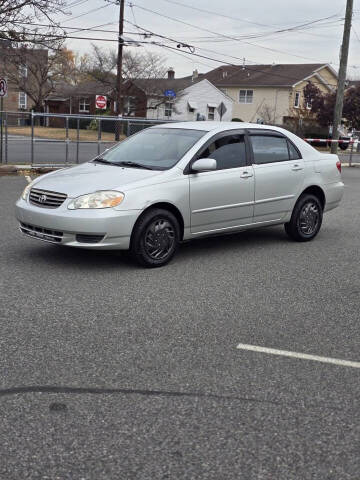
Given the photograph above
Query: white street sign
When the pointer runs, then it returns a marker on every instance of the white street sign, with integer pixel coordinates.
(3, 87)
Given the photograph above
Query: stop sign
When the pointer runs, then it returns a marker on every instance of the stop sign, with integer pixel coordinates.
(100, 102)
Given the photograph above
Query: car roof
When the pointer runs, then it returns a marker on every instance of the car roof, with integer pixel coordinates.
(217, 126)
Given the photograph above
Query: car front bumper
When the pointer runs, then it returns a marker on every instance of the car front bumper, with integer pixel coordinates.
(77, 228)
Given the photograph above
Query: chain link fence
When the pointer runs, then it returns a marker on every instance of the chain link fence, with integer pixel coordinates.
(48, 139)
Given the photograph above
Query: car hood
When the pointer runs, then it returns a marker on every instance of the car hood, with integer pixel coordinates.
(90, 177)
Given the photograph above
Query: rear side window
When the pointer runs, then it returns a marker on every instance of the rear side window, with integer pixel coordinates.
(228, 151)
(269, 149)
(294, 154)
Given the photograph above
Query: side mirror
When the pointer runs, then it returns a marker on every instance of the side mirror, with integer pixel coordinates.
(204, 165)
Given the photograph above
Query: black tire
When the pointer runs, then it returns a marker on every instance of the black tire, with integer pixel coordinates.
(306, 219)
(155, 238)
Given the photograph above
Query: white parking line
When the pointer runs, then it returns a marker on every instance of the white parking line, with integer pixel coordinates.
(302, 356)
(28, 178)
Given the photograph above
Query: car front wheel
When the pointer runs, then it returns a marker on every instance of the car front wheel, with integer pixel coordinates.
(306, 219)
(155, 238)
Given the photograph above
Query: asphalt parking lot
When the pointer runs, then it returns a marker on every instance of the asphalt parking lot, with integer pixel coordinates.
(110, 371)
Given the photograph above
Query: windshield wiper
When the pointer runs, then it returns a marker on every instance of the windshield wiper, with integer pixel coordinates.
(106, 162)
(135, 165)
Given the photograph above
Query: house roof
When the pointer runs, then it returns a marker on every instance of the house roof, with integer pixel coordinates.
(281, 75)
(354, 83)
(65, 90)
(157, 86)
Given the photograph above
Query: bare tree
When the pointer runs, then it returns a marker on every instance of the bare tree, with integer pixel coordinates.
(16, 17)
(267, 114)
(101, 65)
(68, 66)
(33, 70)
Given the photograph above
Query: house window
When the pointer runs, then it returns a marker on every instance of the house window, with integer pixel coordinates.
(211, 113)
(84, 105)
(309, 105)
(192, 106)
(297, 100)
(168, 109)
(23, 71)
(246, 96)
(130, 106)
(22, 100)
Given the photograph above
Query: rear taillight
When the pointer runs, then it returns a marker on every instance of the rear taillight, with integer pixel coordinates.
(338, 164)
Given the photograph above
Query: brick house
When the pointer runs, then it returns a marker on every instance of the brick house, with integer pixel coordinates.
(77, 99)
(19, 66)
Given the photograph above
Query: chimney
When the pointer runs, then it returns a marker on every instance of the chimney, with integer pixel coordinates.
(171, 73)
(195, 75)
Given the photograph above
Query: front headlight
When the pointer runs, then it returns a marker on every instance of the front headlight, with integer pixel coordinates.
(26, 191)
(102, 199)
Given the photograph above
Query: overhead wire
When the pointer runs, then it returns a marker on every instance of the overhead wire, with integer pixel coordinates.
(222, 35)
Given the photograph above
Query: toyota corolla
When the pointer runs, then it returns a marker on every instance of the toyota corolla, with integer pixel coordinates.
(180, 181)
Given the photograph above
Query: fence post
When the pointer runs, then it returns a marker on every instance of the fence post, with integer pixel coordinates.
(99, 136)
(351, 154)
(67, 140)
(128, 130)
(32, 138)
(77, 139)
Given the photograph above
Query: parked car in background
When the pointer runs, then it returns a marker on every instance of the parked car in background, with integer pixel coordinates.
(182, 181)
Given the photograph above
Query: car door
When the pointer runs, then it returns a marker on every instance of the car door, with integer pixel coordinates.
(279, 174)
(223, 198)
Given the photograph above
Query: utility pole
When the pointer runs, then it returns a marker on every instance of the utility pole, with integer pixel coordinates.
(342, 75)
(119, 65)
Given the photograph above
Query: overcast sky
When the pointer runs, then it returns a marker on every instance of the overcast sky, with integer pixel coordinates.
(244, 19)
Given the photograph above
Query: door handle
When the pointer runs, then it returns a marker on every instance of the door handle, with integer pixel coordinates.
(296, 167)
(246, 175)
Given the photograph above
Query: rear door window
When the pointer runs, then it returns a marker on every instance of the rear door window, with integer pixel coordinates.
(268, 149)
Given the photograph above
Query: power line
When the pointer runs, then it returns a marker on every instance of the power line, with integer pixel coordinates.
(212, 51)
(218, 14)
(87, 13)
(223, 35)
(149, 32)
(356, 34)
(76, 3)
(245, 67)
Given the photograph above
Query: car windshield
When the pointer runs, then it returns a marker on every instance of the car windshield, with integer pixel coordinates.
(154, 148)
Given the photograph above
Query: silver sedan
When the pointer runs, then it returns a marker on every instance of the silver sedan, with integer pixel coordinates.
(180, 181)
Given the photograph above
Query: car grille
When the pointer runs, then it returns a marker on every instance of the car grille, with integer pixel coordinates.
(44, 198)
(41, 233)
(87, 238)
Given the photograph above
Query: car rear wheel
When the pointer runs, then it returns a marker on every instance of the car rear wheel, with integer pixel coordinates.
(155, 238)
(306, 219)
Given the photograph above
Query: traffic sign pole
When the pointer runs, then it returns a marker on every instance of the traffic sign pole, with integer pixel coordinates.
(1, 129)
(3, 93)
